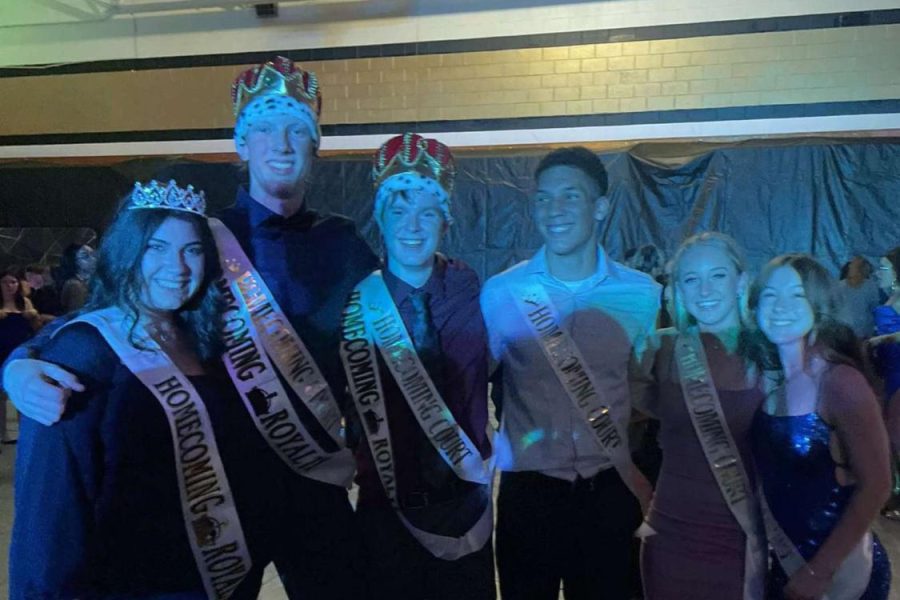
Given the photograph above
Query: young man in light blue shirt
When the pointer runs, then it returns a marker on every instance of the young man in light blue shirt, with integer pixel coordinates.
(565, 327)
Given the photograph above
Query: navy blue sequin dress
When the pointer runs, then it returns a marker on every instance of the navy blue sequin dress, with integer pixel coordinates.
(798, 475)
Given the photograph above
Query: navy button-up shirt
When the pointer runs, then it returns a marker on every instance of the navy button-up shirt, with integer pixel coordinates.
(311, 263)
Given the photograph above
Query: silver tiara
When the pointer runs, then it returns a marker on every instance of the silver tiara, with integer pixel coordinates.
(154, 195)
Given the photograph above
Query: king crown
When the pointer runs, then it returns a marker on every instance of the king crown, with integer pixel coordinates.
(412, 152)
(279, 77)
(172, 197)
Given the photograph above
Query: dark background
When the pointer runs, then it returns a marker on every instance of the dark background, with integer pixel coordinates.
(830, 198)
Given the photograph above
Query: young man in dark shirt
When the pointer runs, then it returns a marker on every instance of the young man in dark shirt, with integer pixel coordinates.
(415, 351)
(299, 265)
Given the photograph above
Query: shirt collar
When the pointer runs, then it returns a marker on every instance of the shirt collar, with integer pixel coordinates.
(605, 267)
(400, 290)
(261, 217)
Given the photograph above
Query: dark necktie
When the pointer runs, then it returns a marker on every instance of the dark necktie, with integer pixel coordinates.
(427, 341)
(424, 334)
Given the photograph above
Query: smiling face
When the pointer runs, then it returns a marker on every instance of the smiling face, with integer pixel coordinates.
(278, 149)
(709, 284)
(783, 312)
(172, 266)
(413, 224)
(567, 209)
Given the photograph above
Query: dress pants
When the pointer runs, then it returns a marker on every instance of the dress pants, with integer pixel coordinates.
(400, 568)
(316, 547)
(579, 533)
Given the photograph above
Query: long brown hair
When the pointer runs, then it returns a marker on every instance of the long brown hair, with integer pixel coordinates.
(831, 337)
(19, 300)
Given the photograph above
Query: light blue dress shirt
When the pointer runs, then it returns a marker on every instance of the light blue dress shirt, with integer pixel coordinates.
(610, 316)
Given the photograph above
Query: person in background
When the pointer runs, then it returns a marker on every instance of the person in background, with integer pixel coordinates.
(650, 260)
(819, 441)
(18, 323)
(44, 296)
(858, 296)
(76, 266)
(885, 351)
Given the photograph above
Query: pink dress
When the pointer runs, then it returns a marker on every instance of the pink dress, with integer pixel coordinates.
(698, 550)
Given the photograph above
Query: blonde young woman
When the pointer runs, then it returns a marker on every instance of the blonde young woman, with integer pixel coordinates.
(705, 400)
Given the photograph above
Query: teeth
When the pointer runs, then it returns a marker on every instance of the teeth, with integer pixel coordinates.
(558, 228)
(281, 165)
(414, 243)
(171, 285)
(708, 304)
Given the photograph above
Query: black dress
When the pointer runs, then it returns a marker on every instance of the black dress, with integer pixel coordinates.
(98, 510)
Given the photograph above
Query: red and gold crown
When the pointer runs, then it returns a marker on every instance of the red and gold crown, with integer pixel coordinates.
(411, 152)
(279, 77)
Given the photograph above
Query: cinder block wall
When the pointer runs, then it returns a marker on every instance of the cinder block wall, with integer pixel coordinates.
(715, 71)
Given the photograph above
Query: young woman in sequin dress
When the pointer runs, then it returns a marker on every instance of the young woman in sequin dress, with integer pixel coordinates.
(819, 441)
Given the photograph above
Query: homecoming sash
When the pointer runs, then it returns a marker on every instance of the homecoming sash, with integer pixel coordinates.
(207, 505)
(574, 375)
(705, 410)
(257, 334)
(371, 320)
(849, 581)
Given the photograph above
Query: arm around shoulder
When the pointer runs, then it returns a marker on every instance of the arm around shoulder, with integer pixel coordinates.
(57, 473)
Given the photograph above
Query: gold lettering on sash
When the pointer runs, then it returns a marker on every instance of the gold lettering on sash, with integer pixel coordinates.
(203, 490)
(574, 375)
(416, 388)
(226, 566)
(286, 437)
(714, 438)
(240, 348)
(284, 347)
(358, 353)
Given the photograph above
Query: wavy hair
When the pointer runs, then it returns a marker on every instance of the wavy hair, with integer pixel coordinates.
(681, 318)
(118, 279)
(833, 339)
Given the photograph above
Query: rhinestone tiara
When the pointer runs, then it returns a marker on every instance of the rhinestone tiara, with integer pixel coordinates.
(170, 196)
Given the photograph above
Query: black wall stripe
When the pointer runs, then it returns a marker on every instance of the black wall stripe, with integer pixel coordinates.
(598, 36)
(779, 111)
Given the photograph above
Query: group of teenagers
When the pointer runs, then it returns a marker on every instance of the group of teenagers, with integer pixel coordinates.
(207, 410)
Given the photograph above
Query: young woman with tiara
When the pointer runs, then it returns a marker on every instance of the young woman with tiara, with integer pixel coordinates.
(705, 540)
(819, 441)
(135, 493)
